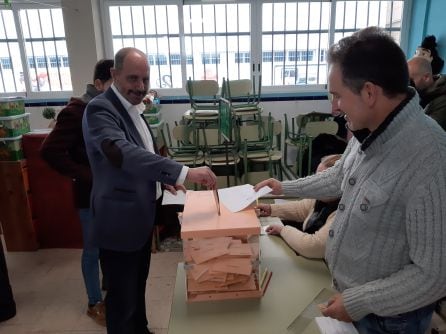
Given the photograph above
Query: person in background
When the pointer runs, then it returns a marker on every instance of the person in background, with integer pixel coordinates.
(386, 246)
(431, 88)
(316, 216)
(64, 150)
(7, 303)
(128, 176)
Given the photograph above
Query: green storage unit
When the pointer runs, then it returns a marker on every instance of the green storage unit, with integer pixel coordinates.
(13, 126)
(12, 106)
(153, 118)
(11, 149)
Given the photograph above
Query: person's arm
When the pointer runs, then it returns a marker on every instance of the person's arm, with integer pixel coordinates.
(66, 135)
(295, 210)
(107, 133)
(308, 245)
(420, 282)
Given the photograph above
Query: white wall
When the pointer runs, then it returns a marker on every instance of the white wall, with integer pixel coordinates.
(174, 112)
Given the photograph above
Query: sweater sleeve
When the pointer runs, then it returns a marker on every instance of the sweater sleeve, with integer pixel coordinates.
(326, 184)
(421, 281)
(295, 210)
(308, 245)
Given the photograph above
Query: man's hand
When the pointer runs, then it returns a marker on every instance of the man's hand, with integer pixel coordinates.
(173, 189)
(202, 175)
(335, 309)
(274, 229)
(264, 210)
(274, 184)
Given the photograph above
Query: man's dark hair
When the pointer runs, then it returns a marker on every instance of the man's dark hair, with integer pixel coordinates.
(121, 54)
(102, 70)
(371, 54)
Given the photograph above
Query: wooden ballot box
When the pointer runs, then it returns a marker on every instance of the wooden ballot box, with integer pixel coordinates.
(221, 252)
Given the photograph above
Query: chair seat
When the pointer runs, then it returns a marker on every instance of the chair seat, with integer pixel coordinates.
(201, 113)
(272, 155)
(221, 159)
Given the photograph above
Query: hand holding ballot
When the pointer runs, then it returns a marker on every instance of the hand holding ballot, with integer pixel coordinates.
(335, 309)
(173, 189)
(239, 197)
(274, 184)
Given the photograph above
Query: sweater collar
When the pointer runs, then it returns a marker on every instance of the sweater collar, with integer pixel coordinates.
(367, 137)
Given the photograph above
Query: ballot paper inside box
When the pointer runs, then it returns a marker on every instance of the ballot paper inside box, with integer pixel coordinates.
(221, 252)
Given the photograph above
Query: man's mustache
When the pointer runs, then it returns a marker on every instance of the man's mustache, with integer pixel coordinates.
(137, 92)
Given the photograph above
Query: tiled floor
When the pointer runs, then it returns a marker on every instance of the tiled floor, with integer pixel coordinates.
(50, 296)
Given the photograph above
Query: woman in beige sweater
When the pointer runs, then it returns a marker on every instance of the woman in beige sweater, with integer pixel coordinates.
(317, 216)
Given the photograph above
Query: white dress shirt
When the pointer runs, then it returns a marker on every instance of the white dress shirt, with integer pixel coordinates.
(135, 112)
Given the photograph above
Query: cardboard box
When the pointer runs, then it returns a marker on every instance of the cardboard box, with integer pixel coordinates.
(221, 252)
(11, 149)
(13, 126)
(11, 106)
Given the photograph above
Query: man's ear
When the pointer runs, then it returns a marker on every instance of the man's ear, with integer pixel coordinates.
(98, 84)
(369, 93)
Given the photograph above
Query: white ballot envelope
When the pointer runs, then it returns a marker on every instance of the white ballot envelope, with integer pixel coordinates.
(237, 198)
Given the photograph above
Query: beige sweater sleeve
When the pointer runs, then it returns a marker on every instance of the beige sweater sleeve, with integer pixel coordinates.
(295, 210)
(308, 245)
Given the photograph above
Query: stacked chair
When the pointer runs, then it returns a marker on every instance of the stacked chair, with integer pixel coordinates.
(227, 133)
(300, 133)
(203, 101)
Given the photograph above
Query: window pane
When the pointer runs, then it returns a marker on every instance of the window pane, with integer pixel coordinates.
(46, 49)
(292, 57)
(11, 71)
(223, 50)
(353, 15)
(153, 30)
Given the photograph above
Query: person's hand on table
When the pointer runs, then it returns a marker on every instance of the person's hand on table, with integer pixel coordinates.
(274, 229)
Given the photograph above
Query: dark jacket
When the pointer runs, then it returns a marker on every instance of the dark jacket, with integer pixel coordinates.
(433, 100)
(123, 199)
(64, 148)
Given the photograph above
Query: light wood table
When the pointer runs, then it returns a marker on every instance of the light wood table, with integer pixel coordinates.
(294, 283)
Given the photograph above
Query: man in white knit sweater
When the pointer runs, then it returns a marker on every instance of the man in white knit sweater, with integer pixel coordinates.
(386, 248)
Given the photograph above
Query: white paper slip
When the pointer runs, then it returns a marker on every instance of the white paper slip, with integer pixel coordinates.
(171, 199)
(239, 197)
(329, 325)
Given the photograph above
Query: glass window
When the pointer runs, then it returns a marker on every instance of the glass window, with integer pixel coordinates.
(215, 34)
(44, 36)
(175, 59)
(11, 70)
(153, 29)
(290, 45)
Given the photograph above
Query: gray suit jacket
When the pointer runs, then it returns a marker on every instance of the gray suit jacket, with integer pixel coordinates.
(123, 197)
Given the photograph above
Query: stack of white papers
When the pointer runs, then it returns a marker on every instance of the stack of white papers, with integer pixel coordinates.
(329, 325)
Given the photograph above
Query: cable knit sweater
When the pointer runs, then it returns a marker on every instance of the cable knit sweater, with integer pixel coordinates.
(308, 245)
(387, 246)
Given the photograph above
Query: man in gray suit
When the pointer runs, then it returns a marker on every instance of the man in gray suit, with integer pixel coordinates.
(128, 174)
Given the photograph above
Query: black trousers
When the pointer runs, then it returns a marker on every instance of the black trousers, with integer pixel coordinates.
(125, 303)
(7, 303)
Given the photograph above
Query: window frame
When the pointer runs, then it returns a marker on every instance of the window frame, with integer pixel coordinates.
(16, 7)
(256, 54)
